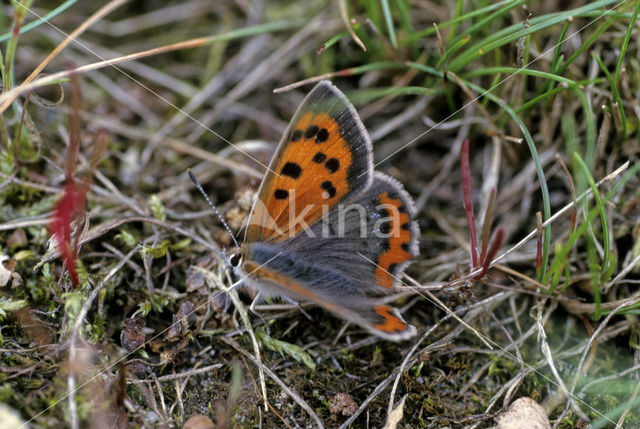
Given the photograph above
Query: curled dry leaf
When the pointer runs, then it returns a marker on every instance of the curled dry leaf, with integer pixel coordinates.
(168, 356)
(343, 404)
(194, 281)
(523, 413)
(132, 337)
(395, 415)
(183, 320)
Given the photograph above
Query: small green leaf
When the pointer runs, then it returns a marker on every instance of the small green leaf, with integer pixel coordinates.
(283, 347)
(157, 208)
(83, 275)
(9, 304)
(144, 308)
(23, 255)
(73, 303)
(181, 244)
(157, 251)
(493, 368)
(127, 238)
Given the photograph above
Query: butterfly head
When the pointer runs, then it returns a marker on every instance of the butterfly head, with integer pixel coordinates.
(235, 258)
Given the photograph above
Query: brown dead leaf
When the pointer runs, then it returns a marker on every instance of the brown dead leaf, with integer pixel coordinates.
(396, 415)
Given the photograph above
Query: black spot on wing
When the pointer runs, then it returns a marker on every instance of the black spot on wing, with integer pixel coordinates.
(392, 268)
(384, 246)
(281, 194)
(330, 190)
(332, 165)
(322, 135)
(311, 131)
(292, 170)
(296, 135)
(319, 158)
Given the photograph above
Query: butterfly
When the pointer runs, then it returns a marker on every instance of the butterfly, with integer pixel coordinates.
(325, 227)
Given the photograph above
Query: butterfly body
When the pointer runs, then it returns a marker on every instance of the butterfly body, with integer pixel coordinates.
(325, 227)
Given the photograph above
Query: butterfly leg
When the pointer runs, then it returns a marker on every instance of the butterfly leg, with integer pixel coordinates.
(257, 300)
(297, 304)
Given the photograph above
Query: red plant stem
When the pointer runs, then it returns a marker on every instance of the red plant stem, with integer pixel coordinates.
(468, 201)
(495, 246)
(74, 199)
(67, 209)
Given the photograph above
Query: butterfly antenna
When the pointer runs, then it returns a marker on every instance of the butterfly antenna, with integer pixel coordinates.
(213, 207)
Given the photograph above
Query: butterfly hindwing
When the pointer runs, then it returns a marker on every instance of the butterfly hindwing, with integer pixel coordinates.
(372, 236)
(283, 279)
(401, 230)
(324, 157)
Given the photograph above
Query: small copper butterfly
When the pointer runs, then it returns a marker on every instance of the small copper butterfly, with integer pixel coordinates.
(325, 226)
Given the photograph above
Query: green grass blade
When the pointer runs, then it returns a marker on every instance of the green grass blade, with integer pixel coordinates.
(625, 44)
(363, 95)
(404, 16)
(590, 121)
(333, 40)
(586, 45)
(456, 14)
(452, 22)
(614, 91)
(484, 23)
(514, 71)
(515, 32)
(388, 20)
(581, 230)
(549, 94)
(557, 56)
(451, 51)
(46, 18)
(601, 208)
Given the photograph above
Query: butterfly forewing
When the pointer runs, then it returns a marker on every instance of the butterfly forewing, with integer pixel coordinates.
(324, 158)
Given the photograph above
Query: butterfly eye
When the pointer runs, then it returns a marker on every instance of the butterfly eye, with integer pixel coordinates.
(234, 260)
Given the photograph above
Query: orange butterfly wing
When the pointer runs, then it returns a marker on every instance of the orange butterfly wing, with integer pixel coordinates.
(324, 157)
